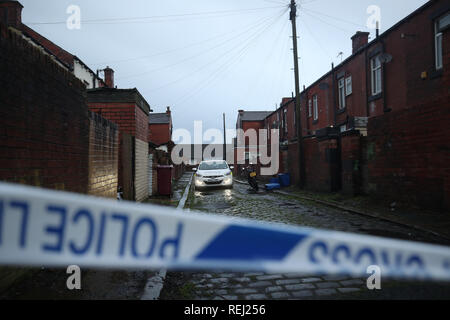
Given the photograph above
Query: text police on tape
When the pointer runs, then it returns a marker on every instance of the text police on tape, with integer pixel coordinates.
(54, 228)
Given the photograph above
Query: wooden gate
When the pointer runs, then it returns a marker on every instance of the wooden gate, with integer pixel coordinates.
(127, 166)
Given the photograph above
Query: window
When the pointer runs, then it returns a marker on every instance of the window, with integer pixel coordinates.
(439, 26)
(285, 120)
(316, 108)
(348, 86)
(309, 108)
(341, 90)
(375, 64)
(343, 128)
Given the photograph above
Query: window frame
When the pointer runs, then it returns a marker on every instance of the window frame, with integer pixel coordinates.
(374, 72)
(315, 107)
(309, 108)
(285, 120)
(347, 85)
(341, 93)
(438, 36)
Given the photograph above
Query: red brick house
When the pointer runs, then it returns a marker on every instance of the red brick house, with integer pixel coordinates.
(130, 111)
(351, 140)
(247, 154)
(160, 128)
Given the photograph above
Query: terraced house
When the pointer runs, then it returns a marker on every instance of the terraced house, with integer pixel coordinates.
(376, 122)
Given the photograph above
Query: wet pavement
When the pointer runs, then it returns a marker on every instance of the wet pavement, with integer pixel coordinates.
(273, 207)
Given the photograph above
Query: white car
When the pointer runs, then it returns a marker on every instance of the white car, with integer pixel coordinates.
(213, 173)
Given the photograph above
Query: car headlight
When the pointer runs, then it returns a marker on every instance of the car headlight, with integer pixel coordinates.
(198, 175)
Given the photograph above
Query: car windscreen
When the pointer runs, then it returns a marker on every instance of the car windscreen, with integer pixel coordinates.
(213, 165)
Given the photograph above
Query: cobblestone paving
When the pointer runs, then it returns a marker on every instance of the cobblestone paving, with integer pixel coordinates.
(276, 208)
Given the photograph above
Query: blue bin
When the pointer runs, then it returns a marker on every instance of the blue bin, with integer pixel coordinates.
(272, 186)
(285, 179)
(274, 180)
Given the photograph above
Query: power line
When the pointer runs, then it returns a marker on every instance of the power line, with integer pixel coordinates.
(198, 54)
(179, 48)
(332, 17)
(325, 51)
(326, 22)
(211, 62)
(208, 81)
(142, 19)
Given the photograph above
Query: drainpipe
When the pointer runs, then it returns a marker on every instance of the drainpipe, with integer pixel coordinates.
(333, 93)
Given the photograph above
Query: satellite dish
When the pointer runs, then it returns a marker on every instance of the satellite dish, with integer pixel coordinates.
(385, 58)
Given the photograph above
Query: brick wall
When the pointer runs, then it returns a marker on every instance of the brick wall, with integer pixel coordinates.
(122, 114)
(44, 125)
(351, 162)
(141, 170)
(103, 157)
(141, 125)
(320, 164)
(409, 156)
(159, 133)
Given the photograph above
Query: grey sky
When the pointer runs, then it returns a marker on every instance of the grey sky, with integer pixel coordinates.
(203, 65)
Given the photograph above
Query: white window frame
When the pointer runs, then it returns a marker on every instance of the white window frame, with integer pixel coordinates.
(348, 86)
(438, 35)
(315, 108)
(375, 75)
(285, 120)
(341, 91)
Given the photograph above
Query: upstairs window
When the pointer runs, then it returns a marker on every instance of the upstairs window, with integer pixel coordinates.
(341, 90)
(285, 120)
(309, 108)
(316, 108)
(440, 24)
(348, 86)
(375, 65)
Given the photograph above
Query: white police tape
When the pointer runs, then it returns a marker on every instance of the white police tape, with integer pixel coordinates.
(55, 228)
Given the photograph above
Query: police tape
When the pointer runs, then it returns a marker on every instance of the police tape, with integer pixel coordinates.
(54, 228)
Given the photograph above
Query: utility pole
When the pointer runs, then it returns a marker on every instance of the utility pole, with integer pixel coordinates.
(224, 140)
(301, 166)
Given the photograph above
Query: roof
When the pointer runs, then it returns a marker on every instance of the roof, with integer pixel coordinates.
(57, 51)
(254, 115)
(104, 94)
(159, 118)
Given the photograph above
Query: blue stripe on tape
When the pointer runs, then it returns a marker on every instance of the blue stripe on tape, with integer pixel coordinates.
(250, 243)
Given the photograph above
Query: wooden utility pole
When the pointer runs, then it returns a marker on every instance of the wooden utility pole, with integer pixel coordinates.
(298, 119)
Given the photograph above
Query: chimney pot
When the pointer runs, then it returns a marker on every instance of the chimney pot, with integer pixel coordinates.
(11, 13)
(359, 40)
(168, 110)
(109, 77)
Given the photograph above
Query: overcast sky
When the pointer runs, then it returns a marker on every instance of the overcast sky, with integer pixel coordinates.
(207, 57)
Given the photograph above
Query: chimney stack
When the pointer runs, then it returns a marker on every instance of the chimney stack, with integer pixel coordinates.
(11, 13)
(109, 77)
(168, 111)
(359, 40)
